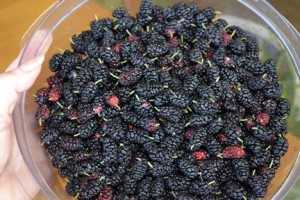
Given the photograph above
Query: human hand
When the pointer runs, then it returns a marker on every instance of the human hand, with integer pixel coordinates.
(13, 171)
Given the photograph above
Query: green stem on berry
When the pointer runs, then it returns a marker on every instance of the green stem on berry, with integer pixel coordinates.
(40, 122)
(139, 159)
(233, 33)
(194, 41)
(116, 77)
(271, 164)
(212, 100)
(114, 19)
(173, 193)
(86, 174)
(154, 59)
(241, 141)
(264, 75)
(192, 147)
(151, 138)
(123, 62)
(100, 80)
(104, 119)
(115, 28)
(96, 17)
(128, 32)
(209, 63)
(71, 40)
(210, 183)
(238, 86)
(268, 147)
(77, 195)
(137, 97)
(181, 39)
(220, 155)
(76, 135)
(59, 104)
(175, 54)
(100, 61)
(132, 92)
(101, 178)
(156, 109)
(200, 62)
(117, 106)
(150, 165)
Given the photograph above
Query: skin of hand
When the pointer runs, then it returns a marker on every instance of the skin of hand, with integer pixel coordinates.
(15, 80)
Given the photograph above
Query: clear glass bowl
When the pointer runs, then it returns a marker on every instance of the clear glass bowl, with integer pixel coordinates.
(276, 36)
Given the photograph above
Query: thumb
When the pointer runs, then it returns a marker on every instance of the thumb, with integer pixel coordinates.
(13, 82)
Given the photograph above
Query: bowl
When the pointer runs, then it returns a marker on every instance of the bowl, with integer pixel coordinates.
(276, 38)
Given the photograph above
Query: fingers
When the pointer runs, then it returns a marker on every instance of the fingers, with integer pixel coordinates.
(20, 79)
(12, 83)
(17, 80)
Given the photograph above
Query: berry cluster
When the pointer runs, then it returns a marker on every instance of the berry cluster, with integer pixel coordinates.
(172, 104)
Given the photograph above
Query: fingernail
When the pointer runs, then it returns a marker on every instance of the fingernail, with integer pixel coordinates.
(32, 64)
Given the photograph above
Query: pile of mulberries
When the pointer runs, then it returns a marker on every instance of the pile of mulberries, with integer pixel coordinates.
(170, 104)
